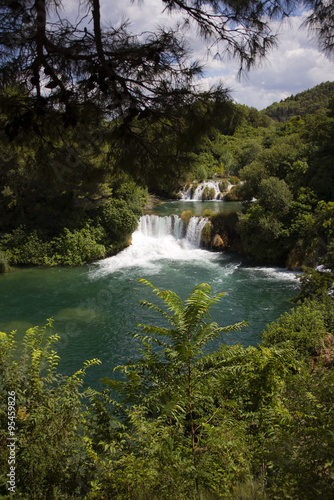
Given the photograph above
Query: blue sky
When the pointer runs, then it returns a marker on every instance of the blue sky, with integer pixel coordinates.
(294, 66)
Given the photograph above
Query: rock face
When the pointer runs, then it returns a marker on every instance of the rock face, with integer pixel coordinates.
(298, 257)
(218, 242)
(225, 235)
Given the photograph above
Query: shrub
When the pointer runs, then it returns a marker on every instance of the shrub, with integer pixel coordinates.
(24, 247)
(186, 216)
(208, 193)
(223, 185)
(71, 248)
(118, 220)
(4, 264)
(234, 179)
(78, 247)
(304, 327)
(50, 453)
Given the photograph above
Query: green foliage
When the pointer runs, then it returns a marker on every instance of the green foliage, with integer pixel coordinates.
(262, 235)
(307, 102)
(171, 384)
(24, 247)
(275, 196)
(118, 220)
(181, 422)
(101, 231)
(71, 248)
(4, 265)
(301, 460)
(208, 193)
(315, 284)
(78, 247)
(304, 327)
(48, 417)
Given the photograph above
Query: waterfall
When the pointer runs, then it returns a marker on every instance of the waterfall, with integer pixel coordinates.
(156, 226)
(194, 230)
(172, 225)
(197, 195)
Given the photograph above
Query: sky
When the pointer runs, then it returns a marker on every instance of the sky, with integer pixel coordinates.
(294, 66)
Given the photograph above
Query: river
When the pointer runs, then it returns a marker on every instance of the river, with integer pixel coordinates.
(95, 306)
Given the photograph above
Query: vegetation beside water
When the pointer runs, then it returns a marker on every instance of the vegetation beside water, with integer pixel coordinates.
(66, 201)
(234, 424)
(94, 117)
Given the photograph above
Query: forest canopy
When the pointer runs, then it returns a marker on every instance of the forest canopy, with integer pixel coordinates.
(64, 63)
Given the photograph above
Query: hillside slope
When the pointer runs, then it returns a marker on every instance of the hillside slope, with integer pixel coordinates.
(311, 101)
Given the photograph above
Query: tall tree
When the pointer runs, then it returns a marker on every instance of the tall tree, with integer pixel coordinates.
(65, 63)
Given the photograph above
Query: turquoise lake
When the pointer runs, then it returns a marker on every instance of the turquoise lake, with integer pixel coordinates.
(95, 306)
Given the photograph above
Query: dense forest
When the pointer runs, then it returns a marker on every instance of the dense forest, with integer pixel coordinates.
(73, 195)
(309, 102)
(238, 423)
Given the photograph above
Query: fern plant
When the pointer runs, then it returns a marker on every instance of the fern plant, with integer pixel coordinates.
(49, 417)
(171, 381)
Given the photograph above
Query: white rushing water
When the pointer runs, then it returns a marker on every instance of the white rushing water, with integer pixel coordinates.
(159, 239)
(198, 193)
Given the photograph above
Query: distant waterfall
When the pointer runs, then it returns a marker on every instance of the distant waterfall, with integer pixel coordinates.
(197, 195)
(158, 227)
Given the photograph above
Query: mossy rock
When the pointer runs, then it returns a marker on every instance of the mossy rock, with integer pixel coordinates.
(234, 180)
(208, 194)
(194, 186)
(186, 216)
(208, 212)
(223, 185)
(217, 242)
(206, 234)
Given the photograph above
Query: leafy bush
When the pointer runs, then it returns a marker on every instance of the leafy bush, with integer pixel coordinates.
(22, 246)
(234, 180)
(275, 196)
(4, 265)
(71, 248)
(118, 220)
(208, 193)
(304, 327)
(223, 185)
(78, 247)
(48, 413)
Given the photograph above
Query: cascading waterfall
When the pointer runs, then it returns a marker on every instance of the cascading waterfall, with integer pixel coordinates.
(172, 225)
(156, 226)
(194, 230)
(197, 195)
(160, 239)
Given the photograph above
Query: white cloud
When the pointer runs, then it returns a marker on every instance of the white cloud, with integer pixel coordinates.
(294, 66)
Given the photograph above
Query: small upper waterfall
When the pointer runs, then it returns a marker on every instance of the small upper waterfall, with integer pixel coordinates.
(208, 190)
(172, 225)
